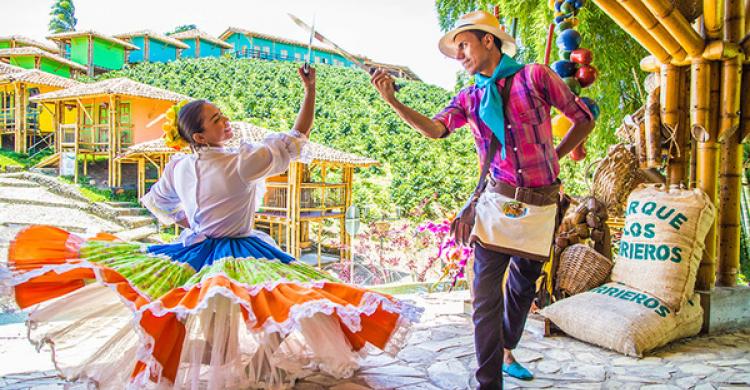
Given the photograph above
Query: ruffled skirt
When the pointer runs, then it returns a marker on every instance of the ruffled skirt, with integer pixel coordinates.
(222, 313)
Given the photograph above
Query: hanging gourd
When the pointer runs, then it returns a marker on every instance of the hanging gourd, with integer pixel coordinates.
(574, 66)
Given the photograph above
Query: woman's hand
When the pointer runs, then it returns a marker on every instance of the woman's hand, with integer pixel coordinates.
(308, 80)
(384, 84)
(306, 114)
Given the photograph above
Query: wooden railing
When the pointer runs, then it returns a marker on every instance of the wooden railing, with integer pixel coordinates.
(314, 197)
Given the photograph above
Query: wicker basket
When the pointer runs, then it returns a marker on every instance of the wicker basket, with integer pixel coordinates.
(615, 178)
(630, 125)
(581, 268)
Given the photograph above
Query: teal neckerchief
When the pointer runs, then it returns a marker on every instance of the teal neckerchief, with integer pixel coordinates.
(492, 108)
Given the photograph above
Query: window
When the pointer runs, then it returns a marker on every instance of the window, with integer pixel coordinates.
(266, 52)
(317, 59)
(284, 54)
(297, 57)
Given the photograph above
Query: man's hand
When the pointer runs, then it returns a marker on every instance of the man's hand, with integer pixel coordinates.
(463, 224)
(384, 83)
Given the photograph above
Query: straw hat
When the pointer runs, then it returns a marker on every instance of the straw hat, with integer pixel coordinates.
(477, 20)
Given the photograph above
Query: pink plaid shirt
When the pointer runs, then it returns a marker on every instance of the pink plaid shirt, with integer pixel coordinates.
(531, 160)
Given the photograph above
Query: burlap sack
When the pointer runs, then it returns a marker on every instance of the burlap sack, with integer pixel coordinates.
(623, 319)
(663, 241)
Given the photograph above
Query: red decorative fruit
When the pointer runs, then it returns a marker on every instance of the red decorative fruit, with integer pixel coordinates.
(586, 75)
(581, 56)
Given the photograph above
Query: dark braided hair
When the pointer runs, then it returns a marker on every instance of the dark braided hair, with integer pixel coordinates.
(190, 121)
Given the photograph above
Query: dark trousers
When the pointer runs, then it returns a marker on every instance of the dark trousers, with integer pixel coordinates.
(489, 306)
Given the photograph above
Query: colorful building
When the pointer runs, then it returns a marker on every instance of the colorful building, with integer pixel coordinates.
(154, 47)
(251, 44)
(110, 116)
(15, 41)
(25, 124)
(296, 203)
(98, 52)
(34, 58)
(200, 44)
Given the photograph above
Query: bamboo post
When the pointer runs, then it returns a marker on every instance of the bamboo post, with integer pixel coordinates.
(18, 115)
(297, 212)
(708, 166)
(141, 177)
(632, 27)
(677, 25)
(679, 158)
(683, 131)
(730, 183)
(660, 34)
(670, 115)
(652, 123)
(745, 103)
(90, 56)
(713, 18)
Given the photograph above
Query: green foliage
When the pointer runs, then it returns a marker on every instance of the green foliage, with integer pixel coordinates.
(62, 17)
(11, 158)
(349, 115)
(616, 56)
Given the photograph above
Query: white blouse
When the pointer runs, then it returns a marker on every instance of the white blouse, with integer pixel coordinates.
(216, 188)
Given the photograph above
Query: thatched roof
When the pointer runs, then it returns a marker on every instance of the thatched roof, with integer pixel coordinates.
(246, 131)
(236, 30)
(36, 52)
(25, 41)
(66, 36)
(119, 86)
(153, 35)
(8, 68)
(35, 76)
(195, 33)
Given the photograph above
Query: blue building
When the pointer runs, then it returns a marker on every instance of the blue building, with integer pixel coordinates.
(153, 47)
(200, 44)
(251, 44)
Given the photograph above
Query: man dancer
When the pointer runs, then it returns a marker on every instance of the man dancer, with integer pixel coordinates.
(526, 158)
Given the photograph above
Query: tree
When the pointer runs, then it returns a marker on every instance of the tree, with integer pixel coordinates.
(616, 56)
(62, 17)
(181, 28)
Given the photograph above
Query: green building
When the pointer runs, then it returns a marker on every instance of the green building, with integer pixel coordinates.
(98, 52)
(34, 58)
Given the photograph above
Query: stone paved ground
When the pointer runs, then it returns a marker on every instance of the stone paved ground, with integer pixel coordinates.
(440, 355)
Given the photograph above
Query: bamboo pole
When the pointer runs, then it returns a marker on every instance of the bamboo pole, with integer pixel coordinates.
(653, 129)
(731, 151)
(18, 115)
(677, 26)
(734, 20)
(670, 116)
(708, 172)
(680, 158)
(646, 19)
(632, 27)
(713, 18)
(719, 50)
(745, 104)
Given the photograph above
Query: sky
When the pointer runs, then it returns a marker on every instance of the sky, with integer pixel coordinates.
(401, 32)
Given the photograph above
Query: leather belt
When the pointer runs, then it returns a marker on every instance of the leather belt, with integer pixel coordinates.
(538, 196)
